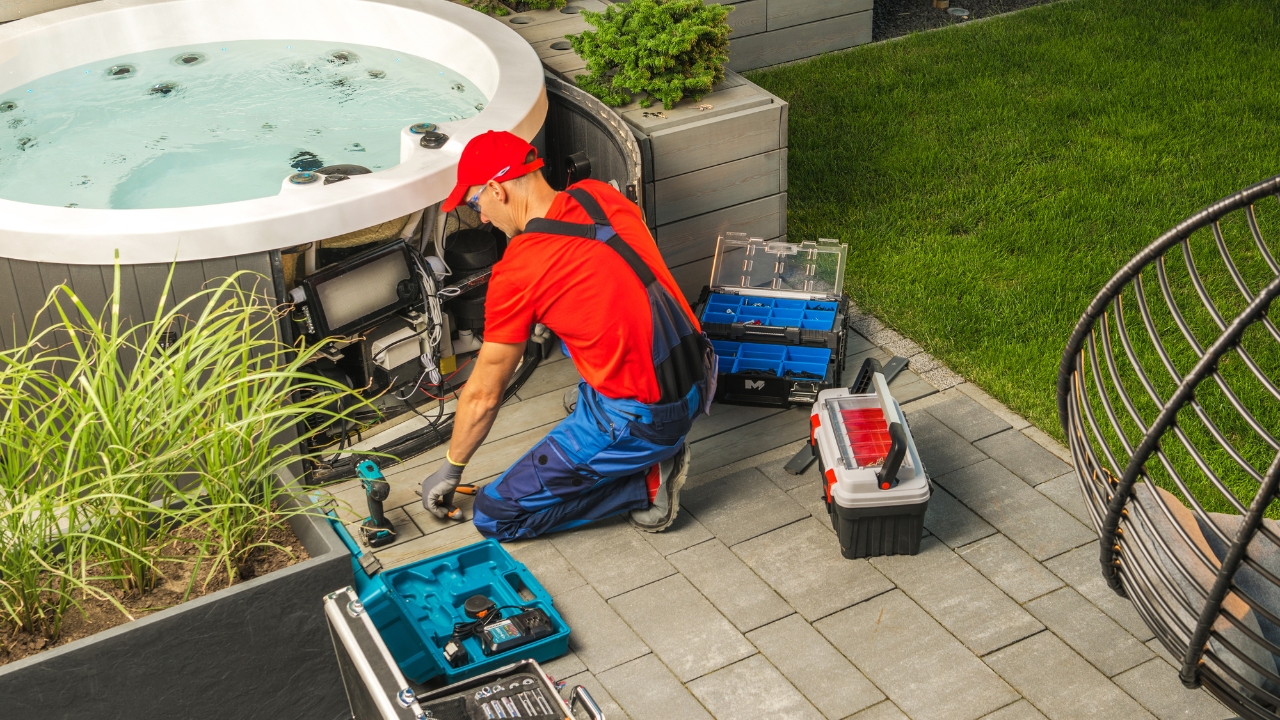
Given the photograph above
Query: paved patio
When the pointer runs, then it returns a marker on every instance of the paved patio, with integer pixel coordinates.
(745, 608)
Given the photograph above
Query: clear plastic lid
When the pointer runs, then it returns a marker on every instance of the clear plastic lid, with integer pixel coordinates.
(806, 270)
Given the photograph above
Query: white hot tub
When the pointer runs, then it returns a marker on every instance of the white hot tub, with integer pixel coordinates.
(501, 66)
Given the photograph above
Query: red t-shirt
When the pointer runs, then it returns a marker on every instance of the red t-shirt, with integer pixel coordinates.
(586, 293)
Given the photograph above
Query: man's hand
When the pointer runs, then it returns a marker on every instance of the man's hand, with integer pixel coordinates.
(437, 491)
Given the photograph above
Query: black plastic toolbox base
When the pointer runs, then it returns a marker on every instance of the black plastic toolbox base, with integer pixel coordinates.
(775, 391)
(878, 531)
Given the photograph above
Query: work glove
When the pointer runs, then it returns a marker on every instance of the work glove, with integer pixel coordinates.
(438, 488)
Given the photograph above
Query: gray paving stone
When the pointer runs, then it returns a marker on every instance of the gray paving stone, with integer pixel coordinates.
(818, 670)
(966, 603)
(924, 670)
(884, 711)
(565, 666)
(684, 533)
(1010, 568)
(1061, 683)
(612, 556)
(969, 419)
(547, 565)
(1028, 518)
(941, 449)
(739, 594)
(610, 707)
(741, 506)
(810, 499)
(750, 690)
(1021, 710)
(765, 434)
(600, 639)
(1081, 570)
(1154, 646)
(1022, 456)
(647, 690)
(1065, 491)
(674, 619)
(952, 522)
(802, 562)
(785, 480)
(1155, 684)
(1089, 632)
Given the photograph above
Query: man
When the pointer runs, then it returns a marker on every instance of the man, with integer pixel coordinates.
(582, 263)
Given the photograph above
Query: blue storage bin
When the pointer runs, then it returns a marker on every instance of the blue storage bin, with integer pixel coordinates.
(796, 353)
(414, 607)
(756, 364)
(723, 299)
(819, 320)
(823, 306)
(757, 313)
(725, 349)
(784, 304)
(720, 313)
(762, 352)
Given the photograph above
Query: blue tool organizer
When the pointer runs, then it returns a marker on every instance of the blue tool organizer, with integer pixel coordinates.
(784, 360)
(415, 606)
(773, 312)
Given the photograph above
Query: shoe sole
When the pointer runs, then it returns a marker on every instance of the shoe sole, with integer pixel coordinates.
(677, 482)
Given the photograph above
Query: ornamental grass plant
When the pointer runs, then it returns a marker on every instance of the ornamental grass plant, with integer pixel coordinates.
(120, 441)
(662, 50)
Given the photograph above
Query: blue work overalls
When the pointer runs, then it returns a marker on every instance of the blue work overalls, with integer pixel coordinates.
(593, 464)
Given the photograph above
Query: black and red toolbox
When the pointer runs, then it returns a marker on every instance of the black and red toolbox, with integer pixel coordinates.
(875, 485)
(776, 315)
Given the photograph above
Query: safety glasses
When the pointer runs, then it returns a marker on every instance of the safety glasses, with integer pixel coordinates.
(474, 202)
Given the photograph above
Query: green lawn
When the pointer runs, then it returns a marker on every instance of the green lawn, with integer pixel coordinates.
(989, 179)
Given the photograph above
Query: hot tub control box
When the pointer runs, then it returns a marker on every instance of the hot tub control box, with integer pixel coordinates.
(775, 314)
(874, 482)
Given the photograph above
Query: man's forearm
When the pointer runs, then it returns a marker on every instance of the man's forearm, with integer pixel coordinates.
(476, 414)
(481, 397)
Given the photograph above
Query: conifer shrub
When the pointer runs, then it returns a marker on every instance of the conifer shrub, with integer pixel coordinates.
(658, 49)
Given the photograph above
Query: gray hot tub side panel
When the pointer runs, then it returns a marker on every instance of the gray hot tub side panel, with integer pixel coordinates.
(25, 287)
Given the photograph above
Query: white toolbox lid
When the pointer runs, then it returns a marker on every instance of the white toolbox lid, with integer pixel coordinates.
(808, 270)
(856, 486)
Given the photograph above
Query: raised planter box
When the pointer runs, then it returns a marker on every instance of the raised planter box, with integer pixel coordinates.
(259, 649)
(768, 32)
(708, 166)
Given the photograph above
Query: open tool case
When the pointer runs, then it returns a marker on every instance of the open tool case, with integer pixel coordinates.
(377, 690)
(875, 486)
(415, 608)
(775, 314)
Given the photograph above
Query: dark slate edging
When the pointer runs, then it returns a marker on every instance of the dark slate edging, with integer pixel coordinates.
(260, 649)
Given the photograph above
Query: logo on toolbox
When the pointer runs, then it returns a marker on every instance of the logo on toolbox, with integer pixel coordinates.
(754, 384)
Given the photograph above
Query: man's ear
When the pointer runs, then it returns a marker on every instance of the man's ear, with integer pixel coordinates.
(499, 193)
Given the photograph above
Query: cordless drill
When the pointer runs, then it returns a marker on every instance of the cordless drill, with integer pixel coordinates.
(376, 529)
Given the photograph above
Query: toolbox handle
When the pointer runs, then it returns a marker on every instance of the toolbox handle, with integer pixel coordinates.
(862, 383)
(888, 476)
(580, 695)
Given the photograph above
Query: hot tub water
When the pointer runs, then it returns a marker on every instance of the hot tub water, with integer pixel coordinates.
(217, 122)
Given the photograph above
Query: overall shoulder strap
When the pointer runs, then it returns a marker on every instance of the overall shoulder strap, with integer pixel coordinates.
(632, 258)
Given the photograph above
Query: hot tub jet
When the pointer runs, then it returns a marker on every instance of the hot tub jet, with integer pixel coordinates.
(121, 71)
(163, 88)
(188, 59)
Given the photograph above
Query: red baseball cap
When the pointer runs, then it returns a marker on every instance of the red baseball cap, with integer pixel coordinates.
(495, 155)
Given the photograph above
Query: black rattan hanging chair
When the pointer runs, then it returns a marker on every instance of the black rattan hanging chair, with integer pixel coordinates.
(1168, 395)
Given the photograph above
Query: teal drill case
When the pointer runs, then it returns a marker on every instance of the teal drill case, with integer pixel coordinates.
(416, 606)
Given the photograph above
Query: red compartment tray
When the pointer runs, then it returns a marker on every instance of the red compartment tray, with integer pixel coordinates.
(868, 435)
